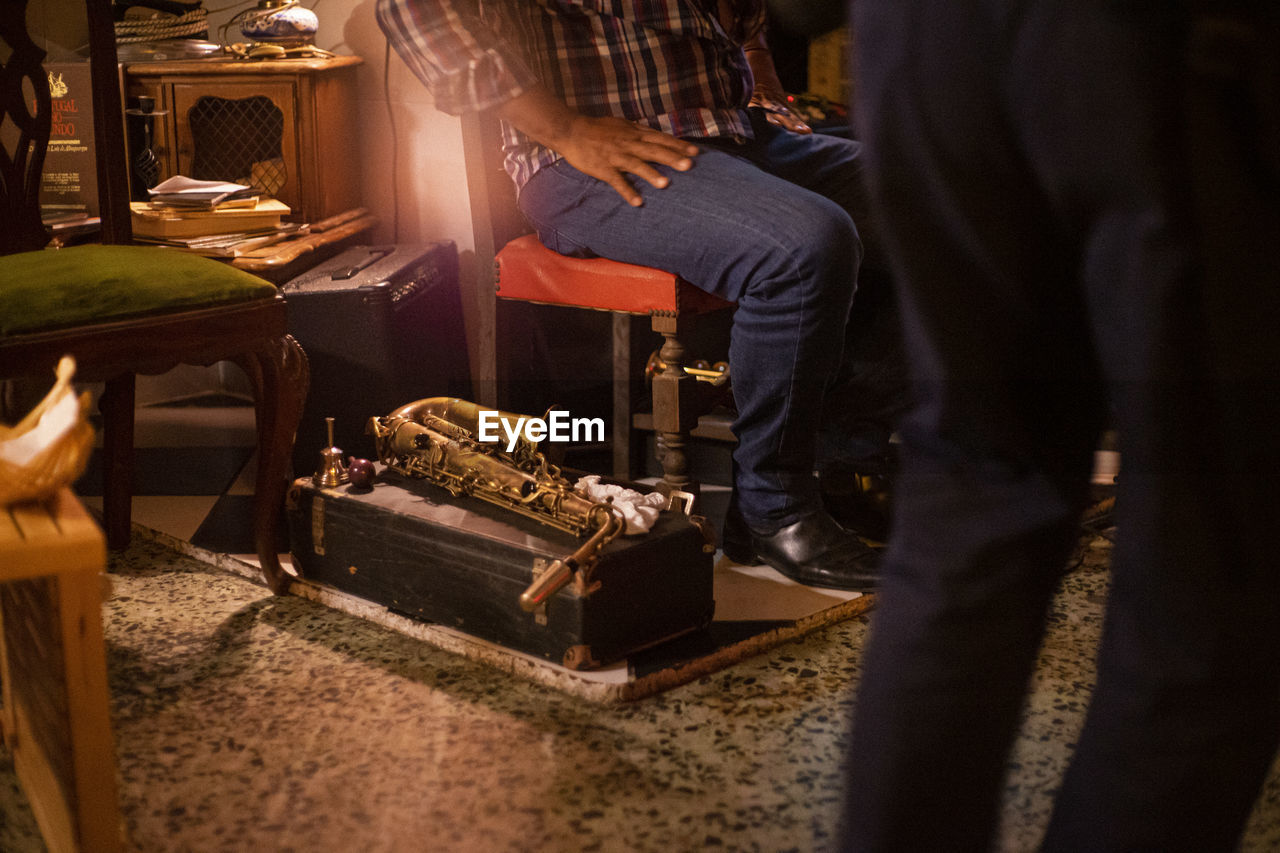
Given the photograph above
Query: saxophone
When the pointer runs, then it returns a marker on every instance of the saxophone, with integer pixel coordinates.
(435, 439)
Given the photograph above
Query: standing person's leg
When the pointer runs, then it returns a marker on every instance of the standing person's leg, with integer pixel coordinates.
(1184, 721)
(997, 449)
(787, 256)
(1184, 717)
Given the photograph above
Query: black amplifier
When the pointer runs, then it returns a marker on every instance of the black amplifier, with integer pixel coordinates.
(382, 326)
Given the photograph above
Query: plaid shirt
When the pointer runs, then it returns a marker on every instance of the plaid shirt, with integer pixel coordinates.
(667, 63)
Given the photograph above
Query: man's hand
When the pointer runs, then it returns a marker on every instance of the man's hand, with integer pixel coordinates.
(778, 113)
(610, 148)
(605, 148)
(768, 94)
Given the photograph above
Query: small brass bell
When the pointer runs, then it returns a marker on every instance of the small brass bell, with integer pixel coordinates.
(331, 471)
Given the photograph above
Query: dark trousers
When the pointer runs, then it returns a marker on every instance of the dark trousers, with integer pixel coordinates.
(1085, 231)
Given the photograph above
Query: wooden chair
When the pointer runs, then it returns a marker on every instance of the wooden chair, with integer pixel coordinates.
(525, 270)
(121, 310)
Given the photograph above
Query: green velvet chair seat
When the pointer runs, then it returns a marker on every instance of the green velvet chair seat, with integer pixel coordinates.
(60, 288)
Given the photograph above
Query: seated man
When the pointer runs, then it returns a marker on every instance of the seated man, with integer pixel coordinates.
(631, 134)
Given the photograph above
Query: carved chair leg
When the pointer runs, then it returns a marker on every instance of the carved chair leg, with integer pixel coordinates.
(116, 405)
(280, 377)
(622, 380)
(674, 416)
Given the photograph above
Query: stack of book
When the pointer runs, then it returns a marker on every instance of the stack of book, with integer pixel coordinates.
(213, 218)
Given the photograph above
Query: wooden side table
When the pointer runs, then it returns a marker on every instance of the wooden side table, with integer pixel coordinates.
(55, 716)
(288, 126)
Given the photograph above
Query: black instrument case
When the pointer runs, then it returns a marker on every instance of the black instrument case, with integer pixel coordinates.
(460, 562)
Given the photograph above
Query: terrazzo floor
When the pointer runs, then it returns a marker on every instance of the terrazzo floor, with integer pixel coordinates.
(245, 721)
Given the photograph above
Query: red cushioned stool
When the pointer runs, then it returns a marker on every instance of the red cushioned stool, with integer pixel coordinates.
(527, 270)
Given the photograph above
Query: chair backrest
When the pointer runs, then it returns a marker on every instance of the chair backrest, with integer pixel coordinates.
(26, 104)
(496, 219)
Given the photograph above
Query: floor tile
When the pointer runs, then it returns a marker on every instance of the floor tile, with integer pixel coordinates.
(179, 516)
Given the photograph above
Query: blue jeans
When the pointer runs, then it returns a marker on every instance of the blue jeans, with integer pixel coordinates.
(768, 224)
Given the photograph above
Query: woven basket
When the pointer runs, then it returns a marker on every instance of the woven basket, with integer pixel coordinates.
(55, 462)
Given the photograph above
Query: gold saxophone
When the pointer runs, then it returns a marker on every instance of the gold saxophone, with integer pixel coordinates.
(435, 439)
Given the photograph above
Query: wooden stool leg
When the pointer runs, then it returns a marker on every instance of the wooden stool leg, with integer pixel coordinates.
(674, 416)
(280, 378)
(116, 405)
(622, 405)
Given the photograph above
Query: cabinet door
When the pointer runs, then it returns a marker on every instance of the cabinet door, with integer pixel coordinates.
(240, 130)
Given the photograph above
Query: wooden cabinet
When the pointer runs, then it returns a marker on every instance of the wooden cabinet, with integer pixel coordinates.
(288, 126)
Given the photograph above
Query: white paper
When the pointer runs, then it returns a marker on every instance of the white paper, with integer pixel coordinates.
(183, 184)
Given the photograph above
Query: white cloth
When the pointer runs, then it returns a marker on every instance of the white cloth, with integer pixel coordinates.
(640, 511)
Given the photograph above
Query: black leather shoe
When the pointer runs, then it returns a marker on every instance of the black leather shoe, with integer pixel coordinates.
(814, 551)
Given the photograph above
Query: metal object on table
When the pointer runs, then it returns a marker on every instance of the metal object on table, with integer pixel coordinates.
(331, 472)
(701, 370)
(145, 166)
